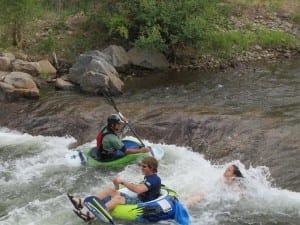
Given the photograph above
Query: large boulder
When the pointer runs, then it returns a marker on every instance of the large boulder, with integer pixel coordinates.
(94, 74)
(9, 55)
(5, 63)
(62, 84)
(148, 58)
(17, 85)
(33, 68)
(45, 67)
(118, 57)
(93, 82)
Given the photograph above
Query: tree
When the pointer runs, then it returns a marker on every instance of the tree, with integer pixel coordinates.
(15, 15)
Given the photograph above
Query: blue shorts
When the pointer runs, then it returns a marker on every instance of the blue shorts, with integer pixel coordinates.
(130, 200)
(118, 154)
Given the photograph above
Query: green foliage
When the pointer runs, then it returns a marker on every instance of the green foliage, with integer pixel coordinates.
(44, 75)
(165, 24)
(118, 26)
(59, 25)
(46, 45)
(18, 10)
(225, 43)
(4, 41)
(152, 39)
(172, 26)
(16, 14)
(267, 38)
(295, 17)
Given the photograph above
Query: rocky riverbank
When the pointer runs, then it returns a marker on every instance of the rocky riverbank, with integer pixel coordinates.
(257, 18)
(245, 18)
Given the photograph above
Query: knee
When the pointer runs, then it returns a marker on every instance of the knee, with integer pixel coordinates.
(119, 199)
(107, 191)
(110, 190)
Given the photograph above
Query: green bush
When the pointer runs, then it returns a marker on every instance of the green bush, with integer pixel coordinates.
(118, 26)
(152, 39)
(46, 45)
(165, 24)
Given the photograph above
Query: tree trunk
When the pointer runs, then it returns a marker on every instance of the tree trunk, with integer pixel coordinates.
(17, 35)
(59, 7)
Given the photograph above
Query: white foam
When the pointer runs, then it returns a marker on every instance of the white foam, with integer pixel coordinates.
(35, 154)
(181, 169)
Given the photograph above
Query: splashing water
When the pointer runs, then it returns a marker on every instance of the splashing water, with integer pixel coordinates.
(34, 180)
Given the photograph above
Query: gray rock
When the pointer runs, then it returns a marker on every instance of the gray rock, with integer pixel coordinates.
(118, 57)
(148, 58)
(94, 74)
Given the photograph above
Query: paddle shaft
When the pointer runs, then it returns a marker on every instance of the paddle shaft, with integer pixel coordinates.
(112, 102)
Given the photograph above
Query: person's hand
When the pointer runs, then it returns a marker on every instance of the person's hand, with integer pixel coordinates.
(145, 149)
(117, 180)
(123, 118)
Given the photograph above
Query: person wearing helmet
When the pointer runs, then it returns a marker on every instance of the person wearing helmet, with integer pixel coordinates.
(109, 145)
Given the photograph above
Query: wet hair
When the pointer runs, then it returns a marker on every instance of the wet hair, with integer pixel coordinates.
(151, 162)
(236, 171)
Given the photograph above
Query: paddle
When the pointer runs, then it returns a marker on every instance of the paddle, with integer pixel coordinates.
(111, 102)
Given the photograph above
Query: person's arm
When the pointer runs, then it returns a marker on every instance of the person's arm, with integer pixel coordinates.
(134, 151)
(137, 188)
(118, 144)
(194, 199)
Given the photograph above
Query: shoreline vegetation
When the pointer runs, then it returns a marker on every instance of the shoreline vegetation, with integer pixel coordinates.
(194, 35)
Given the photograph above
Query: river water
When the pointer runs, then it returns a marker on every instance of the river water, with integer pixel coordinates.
(34, 176)
(35, 179)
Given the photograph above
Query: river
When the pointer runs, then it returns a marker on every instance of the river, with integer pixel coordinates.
(34, 176)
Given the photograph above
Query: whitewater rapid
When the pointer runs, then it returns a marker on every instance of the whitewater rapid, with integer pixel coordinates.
(35, 177)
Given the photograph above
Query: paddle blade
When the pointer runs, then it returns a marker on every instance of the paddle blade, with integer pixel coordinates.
(157, 152)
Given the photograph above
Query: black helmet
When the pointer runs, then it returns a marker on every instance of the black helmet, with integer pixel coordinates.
(114, 119)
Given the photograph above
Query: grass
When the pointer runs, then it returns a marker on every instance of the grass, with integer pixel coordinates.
(46, 45)
(226, 44)
(275, 39)
(44, 75)
(230, 41)
(233, 41)
(295, 17)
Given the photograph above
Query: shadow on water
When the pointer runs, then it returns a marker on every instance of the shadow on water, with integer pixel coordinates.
(271, 90)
